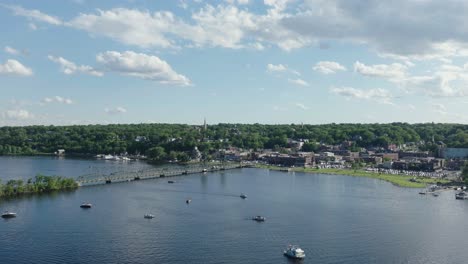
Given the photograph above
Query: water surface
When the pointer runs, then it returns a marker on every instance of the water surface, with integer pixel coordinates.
(335, 219)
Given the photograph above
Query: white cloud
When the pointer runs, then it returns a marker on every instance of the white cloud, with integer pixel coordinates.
(276, 68)
(17, 114)
(378, 95)
(299, 82)
(445, 81)
(69, 67)
(34, 15)
(402, 32)
(56, 99)
(257, 46)
(301, 106)
(11, 50)
(327, 67)
(14, 67)
(280, 68)
(115, 111)
(392, 72)
(142, 66)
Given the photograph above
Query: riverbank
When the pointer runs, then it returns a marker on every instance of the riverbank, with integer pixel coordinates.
(398, 180)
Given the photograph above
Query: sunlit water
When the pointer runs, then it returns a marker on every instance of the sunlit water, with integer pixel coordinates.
(335, 219)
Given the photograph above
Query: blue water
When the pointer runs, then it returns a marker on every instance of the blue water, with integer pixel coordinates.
(335, 219)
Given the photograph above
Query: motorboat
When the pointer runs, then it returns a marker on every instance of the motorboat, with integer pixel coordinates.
(7, 214)
(435, 194)
(294, 252)
(108, 157)
(86, 205)
(259, 218)
(461, 196)
(170, 181)
(423, 193)
(188, 201)
(243, 196)
(148, 216)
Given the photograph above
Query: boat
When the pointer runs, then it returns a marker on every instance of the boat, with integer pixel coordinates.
(7, 214)
(243, 196)
(108, 157)
(423, 193)
(86, 205)
(148, 216)
(294, 252)
(204, 170)
(461, 196)
(170, 181)
(188, 201)
(259, 218)
(435, 194)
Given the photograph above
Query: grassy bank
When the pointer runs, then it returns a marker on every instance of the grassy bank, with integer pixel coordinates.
(399, 180)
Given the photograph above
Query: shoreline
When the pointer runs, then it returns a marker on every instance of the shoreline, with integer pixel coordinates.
(397, 180)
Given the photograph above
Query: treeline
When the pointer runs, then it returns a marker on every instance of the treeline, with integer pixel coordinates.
(39, 184)
(176, 140)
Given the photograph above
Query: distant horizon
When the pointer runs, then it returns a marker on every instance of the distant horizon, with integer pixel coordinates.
(222, 123)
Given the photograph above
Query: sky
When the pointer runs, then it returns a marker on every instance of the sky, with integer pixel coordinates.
(233, 61)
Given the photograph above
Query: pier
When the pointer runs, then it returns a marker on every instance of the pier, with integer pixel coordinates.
(125, 176)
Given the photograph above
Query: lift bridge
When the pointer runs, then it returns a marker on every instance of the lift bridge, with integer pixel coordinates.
(123, 176)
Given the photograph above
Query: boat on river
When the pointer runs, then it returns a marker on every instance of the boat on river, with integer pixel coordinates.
(7, 214)
(243, 196)
(294, 252)
(188, 201)
(148, 216)
(259, 218)
(461, 196)
(86, 205)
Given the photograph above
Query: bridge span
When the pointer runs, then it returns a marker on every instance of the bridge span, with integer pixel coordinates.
(123, 176)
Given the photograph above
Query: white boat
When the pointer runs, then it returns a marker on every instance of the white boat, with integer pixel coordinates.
(461, 196)
(108, 157)
(294, 252)
(7, 214)
(86, 205)
(259, 218)
(148, 216)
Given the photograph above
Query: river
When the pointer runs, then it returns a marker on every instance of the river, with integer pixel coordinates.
(335, 219)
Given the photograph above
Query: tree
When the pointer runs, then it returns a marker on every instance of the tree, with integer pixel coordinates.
(156, 153)
(464, 174)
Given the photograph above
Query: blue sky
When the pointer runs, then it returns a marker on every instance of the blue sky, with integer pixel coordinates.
(245, 61)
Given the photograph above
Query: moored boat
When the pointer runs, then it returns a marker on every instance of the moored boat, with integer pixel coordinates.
(7, 214)
(86, 205)
(148, 216)
(461, 196)
(259, 218)
(294, 252)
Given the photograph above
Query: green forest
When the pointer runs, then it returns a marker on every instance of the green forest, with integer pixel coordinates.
(175, 140)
